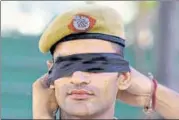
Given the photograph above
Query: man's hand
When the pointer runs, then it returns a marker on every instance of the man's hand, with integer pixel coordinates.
(44, 101)
(138, 93)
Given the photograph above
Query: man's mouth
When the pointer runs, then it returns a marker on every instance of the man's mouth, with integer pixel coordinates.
(81, 94)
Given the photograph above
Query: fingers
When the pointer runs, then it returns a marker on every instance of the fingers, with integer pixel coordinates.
(53, 105)
(131, 99)
(44, 79)
(41, 82)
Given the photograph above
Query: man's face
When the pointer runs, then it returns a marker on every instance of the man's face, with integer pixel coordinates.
(85, 94)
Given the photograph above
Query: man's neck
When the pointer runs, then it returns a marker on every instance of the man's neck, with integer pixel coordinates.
(107, 114)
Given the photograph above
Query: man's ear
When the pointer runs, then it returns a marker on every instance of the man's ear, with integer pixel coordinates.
(49, 64)
(124, 81)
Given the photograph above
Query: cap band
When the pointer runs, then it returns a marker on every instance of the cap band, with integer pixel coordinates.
(84, 36)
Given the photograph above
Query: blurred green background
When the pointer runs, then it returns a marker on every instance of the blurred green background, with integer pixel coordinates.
(152, 46)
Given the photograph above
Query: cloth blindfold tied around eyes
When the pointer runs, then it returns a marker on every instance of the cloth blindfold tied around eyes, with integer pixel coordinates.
(65, 66)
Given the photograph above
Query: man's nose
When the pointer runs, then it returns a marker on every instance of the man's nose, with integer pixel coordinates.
(79, 77)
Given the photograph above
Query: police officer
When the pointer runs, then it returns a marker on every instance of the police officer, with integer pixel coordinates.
(88, 71)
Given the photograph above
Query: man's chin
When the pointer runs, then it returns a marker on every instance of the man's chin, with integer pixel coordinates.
(77, 111)
(78, 108)
(80, 113)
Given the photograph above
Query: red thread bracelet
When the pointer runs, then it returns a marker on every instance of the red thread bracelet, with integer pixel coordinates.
(154, 94)
(151, 102)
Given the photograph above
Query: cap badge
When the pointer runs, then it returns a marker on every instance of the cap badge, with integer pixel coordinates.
(81, 23)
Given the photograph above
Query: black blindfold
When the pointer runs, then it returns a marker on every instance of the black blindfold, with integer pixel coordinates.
(88, 62)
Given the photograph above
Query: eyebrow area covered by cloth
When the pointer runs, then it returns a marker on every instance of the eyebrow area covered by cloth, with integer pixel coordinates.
(88, 62)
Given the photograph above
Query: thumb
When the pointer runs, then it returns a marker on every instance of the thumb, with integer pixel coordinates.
(53, 102)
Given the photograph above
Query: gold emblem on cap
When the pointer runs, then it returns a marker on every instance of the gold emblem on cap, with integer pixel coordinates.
(81, 23)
